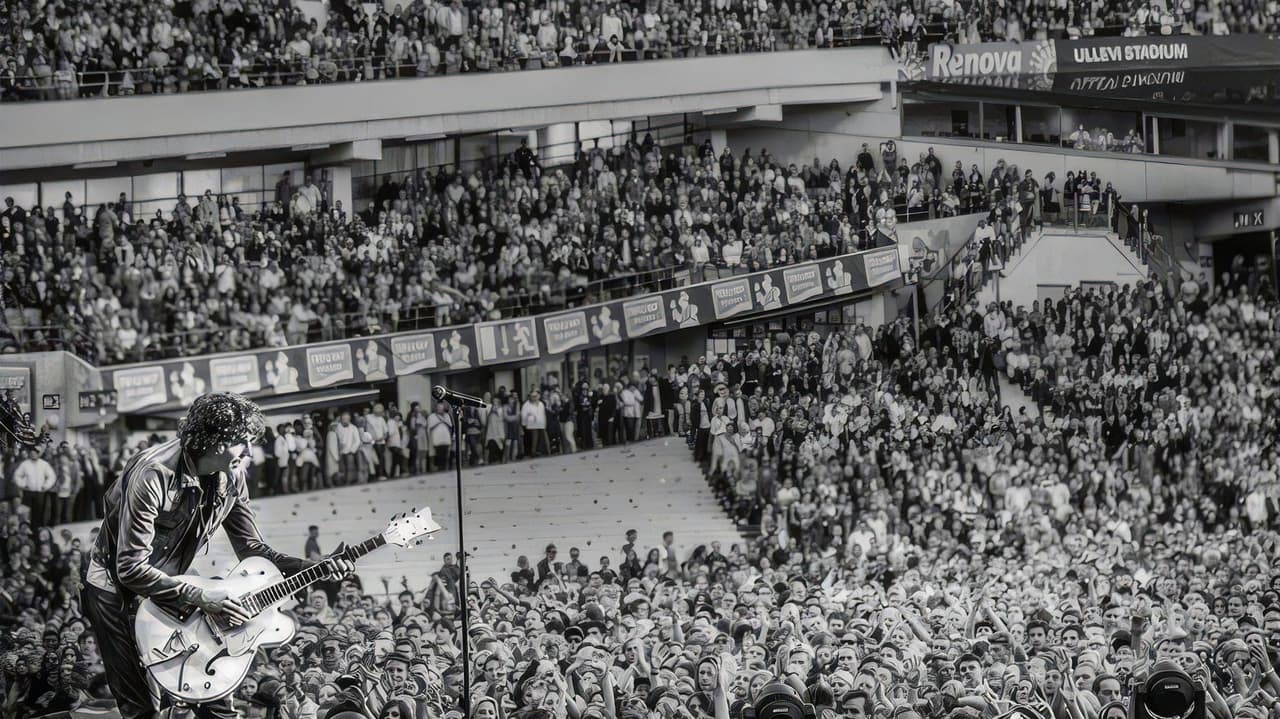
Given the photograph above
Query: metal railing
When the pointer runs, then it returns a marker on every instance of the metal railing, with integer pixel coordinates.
(169, 345)
(1139, 234)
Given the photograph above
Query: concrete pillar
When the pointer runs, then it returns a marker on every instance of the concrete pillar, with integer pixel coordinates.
(719, 140)
(1273, 147)
(412, 388)
(1017, 126)
(339, 177)
(557, 143)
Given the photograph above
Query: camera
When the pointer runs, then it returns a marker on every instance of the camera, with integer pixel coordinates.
(779, 701)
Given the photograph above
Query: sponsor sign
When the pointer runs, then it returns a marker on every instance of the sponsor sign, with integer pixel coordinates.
(802, 282)
(413, 353)
(235, 374)
(950, 60)
(329, 365)
(731, 298)
(564, 332)
(881, 266)
(139, 387)
(1173, 52)
(644, 315)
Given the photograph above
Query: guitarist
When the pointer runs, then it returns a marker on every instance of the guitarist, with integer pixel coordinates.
(168, 502)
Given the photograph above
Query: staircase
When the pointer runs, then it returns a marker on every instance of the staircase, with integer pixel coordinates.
(1061, 257)
(586, 500)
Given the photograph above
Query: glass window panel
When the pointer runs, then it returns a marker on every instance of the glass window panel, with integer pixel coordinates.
(940, 119)
(1188, 138)
(443, 152)
(25, 196)
(107, 189)
(999, 122)
(1041, 125)
(1250, 143)
(1101, 130)
(271, 174)
(196, 182)
(155, 192)
(396, 159)
(246, 185)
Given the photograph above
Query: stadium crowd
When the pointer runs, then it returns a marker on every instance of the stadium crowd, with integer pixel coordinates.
(449, 247)
(63, 50)
(925, 550)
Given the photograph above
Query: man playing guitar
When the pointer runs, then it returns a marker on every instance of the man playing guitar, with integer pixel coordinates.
(168, 502)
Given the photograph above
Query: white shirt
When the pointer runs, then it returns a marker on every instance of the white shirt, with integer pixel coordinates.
(35, 475)
(348, 439)
(377, 427)
(533, 415)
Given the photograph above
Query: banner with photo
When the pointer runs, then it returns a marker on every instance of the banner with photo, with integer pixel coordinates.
(162, 386)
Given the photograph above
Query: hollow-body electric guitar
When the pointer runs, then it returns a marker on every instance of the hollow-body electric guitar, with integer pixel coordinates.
(199, 657)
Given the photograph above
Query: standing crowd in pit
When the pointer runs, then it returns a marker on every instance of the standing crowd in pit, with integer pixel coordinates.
(924, 549)
(63, 50)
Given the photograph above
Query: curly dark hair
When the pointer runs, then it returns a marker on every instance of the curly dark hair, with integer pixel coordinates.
(220, 418)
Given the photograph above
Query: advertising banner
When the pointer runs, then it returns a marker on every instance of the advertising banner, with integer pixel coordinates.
(991, 59)
(565, 332)
(1208, 86)
(802, 282)
(881, 266)
(644, 315)
(235, 374)
(174, 383)
(731, 298)
(1175, 52)
(413, 353)
(329, 365)
(17, 379)
(139, 387)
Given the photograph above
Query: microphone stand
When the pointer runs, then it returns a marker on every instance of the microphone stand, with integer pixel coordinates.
(465, 584)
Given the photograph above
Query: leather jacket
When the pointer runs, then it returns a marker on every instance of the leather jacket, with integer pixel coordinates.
(158, 516)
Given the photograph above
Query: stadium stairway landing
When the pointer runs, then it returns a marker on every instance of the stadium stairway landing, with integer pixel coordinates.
(586, 500)
(1060, 258)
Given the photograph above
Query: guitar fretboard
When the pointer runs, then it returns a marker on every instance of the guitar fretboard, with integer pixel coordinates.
(264, 598)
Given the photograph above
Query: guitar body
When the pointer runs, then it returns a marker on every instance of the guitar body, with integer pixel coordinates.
(195, 660)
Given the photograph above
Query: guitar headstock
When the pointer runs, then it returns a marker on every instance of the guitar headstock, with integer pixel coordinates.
(406, 528)
(16, 429)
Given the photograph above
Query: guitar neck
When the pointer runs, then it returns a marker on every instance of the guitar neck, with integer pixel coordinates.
(281, 590)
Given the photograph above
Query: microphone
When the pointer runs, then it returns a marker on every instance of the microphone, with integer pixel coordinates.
(442, 394)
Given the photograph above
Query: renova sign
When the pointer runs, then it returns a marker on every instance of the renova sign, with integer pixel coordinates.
(996, 58)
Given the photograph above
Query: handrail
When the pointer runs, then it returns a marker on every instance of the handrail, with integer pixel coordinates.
(295, 71)
(1149, 245)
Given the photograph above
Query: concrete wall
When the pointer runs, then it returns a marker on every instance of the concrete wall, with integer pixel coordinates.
(838, 132)
(45, 134)
(1219, 220)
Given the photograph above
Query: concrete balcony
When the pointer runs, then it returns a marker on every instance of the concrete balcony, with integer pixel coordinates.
(52, 134)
